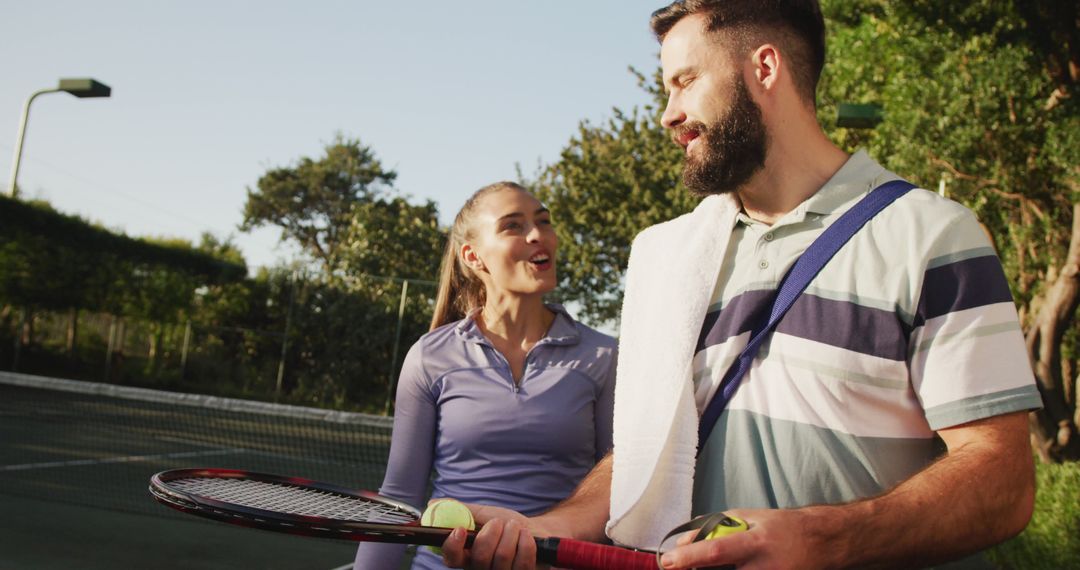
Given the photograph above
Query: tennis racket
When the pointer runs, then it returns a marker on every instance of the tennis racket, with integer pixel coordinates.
(310, 508)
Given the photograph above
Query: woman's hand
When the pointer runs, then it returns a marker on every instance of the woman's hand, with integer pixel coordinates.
(505, 541)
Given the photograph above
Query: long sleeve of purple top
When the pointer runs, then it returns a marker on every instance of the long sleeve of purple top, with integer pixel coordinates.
(523, 446)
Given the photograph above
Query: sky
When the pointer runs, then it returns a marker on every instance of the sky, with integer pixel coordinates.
(209, 95)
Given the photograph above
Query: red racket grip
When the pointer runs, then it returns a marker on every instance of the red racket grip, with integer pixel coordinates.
(580, 555)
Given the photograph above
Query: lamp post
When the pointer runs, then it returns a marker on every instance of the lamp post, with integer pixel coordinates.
(78, 87)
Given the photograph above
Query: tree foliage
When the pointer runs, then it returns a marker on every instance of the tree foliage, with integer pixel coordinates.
(979, 98)
(392, 237)
(368, 239)
(343, 339)
(969, 100)
(312, 201)
(50, 260)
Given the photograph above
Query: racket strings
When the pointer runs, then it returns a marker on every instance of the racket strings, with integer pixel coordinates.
(293, 500)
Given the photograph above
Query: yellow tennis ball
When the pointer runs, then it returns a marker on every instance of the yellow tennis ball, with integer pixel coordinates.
(447, 513)
(727, 527)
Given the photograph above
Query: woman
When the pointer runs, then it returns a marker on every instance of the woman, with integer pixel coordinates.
(507, 399)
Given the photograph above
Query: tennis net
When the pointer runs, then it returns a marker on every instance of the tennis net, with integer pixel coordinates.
(98, 444)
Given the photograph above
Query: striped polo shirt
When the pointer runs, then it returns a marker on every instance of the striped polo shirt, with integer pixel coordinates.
(910, 329)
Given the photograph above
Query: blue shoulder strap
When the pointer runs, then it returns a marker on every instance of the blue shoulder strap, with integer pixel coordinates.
(809, 264)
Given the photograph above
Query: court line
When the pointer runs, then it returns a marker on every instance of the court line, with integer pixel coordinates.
(124, 459)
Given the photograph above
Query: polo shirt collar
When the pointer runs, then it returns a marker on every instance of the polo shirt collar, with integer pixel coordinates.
(854, 179)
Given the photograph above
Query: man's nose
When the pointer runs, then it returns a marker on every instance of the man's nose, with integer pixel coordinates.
(673, 115)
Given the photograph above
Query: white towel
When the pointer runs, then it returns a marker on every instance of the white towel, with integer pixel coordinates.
(669, 282)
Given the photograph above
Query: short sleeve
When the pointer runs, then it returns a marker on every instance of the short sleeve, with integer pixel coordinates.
(967, 356)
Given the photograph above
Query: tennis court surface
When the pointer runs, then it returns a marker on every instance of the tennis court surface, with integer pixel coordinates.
(75, 459)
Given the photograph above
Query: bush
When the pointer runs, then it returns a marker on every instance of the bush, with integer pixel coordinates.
(1052, 538)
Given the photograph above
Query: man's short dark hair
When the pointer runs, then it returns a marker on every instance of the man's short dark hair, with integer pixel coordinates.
(796, 26)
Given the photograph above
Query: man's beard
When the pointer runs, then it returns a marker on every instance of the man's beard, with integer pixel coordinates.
(733, 148)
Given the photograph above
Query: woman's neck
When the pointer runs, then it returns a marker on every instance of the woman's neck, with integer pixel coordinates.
(519, 321)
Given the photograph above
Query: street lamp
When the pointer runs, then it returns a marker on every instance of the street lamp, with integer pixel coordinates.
(81, 88)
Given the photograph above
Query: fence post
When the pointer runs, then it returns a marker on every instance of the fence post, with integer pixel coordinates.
(20, 333)
(72, 331)
(184, 350)
(111, 346)
(285, 337)
(397, 343)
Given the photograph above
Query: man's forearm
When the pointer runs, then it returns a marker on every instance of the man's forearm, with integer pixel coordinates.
(978, 495)
(585, 512)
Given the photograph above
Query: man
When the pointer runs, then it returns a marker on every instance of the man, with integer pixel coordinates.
(828, 449)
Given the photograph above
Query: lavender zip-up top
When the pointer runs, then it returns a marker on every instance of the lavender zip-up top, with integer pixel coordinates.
(524, 446)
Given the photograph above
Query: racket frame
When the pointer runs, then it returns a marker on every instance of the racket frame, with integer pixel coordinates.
(550, 550)
(304, 525)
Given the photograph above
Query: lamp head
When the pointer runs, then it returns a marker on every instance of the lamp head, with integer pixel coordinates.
(85, 87)
(859, 116)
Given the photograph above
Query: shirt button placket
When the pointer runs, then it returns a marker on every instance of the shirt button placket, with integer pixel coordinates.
(767, 239)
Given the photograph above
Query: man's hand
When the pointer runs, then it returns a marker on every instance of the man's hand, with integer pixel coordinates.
(987, 477)
(757, 548)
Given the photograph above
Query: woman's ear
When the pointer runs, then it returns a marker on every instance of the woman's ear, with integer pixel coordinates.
(470, 258)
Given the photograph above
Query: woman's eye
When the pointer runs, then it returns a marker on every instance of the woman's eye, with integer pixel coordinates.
(512, 226)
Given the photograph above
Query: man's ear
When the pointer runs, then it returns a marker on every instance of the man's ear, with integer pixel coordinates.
(768, 66)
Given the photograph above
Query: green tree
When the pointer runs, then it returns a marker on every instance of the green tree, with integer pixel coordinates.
(390, 241)
(391, 237)
(312, 201)
(978, 97)
(341, 336)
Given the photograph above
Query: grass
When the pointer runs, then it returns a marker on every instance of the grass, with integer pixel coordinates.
(1052, 538)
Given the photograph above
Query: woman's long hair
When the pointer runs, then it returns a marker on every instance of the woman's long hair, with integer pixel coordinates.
(460, 289)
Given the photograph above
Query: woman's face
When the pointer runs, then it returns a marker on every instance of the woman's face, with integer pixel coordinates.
(513, 245)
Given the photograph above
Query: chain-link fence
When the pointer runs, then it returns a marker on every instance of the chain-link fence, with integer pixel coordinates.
(296, 341)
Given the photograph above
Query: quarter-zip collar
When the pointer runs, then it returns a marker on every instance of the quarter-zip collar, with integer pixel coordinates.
(563, 330)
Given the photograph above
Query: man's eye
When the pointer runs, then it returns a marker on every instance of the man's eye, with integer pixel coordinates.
(512, 226)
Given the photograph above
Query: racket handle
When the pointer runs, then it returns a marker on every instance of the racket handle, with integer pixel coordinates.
(580, 555)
